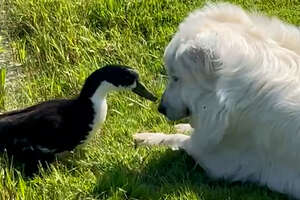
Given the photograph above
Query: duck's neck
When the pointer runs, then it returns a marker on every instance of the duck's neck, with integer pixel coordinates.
(99, 103)
(97, 95)
(99, 106)
(100, 110)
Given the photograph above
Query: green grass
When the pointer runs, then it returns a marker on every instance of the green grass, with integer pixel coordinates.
(2, 78)
(59, 43)
(1, 48)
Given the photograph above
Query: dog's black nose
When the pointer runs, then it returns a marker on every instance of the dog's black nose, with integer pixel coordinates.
(162, 109)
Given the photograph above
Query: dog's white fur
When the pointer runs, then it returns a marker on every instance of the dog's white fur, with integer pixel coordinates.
(238, 74)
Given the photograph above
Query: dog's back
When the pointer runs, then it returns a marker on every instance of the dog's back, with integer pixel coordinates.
(254, 23)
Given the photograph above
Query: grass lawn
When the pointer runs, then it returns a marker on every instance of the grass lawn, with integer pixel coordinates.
(59, 43)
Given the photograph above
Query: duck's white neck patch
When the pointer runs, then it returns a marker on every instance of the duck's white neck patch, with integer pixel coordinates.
(101, 92)
(100, 106)
(132, 86)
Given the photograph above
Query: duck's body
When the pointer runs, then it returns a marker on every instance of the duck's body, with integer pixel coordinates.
(41, 131)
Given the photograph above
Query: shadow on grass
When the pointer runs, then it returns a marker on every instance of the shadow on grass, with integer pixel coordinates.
(28, 169)
(173, 174)
(15, 166)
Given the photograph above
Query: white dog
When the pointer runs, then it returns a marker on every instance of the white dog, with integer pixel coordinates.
(237, 76)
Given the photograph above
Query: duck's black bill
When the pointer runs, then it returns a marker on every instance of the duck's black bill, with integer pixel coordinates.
(141, 90)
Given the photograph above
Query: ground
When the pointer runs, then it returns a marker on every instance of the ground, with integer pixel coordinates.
(57, 44)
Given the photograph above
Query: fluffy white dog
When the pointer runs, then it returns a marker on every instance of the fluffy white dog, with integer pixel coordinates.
(237, 76)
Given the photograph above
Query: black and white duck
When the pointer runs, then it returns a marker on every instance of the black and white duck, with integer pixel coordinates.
(39, 132)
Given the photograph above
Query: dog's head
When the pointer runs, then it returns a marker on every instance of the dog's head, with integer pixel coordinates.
(191, 76)
(206, 51)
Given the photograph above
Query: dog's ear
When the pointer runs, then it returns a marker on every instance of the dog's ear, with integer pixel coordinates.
(197, 53)
(201, 54)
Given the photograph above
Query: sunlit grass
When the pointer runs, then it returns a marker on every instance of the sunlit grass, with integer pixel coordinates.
(59, 43)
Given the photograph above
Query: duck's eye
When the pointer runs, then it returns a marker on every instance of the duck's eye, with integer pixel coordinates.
(175, 78)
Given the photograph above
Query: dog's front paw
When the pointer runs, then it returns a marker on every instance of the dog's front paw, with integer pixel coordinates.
(183, 128)
(148, 138)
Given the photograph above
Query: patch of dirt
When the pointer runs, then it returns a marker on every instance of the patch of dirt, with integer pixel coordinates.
(7, 60)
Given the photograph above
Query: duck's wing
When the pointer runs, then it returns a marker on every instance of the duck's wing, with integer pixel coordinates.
(29, 129)
(40, 106)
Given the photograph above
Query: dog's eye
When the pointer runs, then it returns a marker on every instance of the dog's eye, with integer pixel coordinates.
(175, 78)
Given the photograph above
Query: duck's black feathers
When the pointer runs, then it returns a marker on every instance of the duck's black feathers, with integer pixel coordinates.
(45, 129)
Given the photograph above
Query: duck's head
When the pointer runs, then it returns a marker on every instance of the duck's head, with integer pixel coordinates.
(112, 78)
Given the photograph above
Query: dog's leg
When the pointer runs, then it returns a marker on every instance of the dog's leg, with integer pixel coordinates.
(174, 141)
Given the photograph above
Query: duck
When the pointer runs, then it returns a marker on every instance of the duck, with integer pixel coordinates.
(39, 132)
